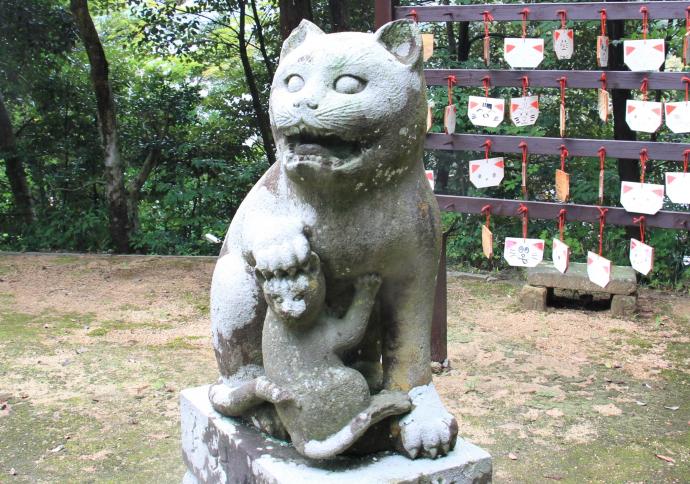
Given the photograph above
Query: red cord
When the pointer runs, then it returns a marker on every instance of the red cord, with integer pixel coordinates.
(644, 158)
(452, 80)
(525, 85)
(640, 220)
(686, 80)
(523, 147)
(645, 22)
(561, 222)
(563, 81)
(604, 81)
(564, 155)
(644, 88)
(525, 13)
(486, 209)
(413, 14)
(602, 161)
(602, 222)
(564, 15)
(487, 148)
(686, 155)
(488, 18)
(603, 21)
(602, 157)
(524, 211)
(486, 81)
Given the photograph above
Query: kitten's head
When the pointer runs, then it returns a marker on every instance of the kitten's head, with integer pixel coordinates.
(298, 298)
(347, 105)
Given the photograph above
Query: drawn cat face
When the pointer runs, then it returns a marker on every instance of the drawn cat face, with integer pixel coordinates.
(296, 299)
(678, 116)
(644, 116)
(646, 198)
(521, 252)
(563, 43)
(487, 172)
(641, 256)
(524, 111)
(349, 104)
(485, 111)
(560, 256)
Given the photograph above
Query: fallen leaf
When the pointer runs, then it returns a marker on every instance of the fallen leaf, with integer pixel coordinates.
(512, 456)
(673, 408)
(670, 460)
(57, 449)
(641, 404)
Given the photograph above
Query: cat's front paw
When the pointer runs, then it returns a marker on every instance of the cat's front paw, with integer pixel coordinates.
(369, 282)
(281, 247)
(429, 430)
(271, 392)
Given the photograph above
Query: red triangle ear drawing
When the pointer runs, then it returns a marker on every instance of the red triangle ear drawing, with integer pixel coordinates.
(659, 46)
(670, 178)
(556, 34)
(629, 49)
(571, 34)
(509, 47)
(627, 187)
(631, 108)
(539, 245)
(670, 109)
(633, 244)
(539, 48)
(657, 111)
(590, 260)
(474, 167)
(473, 105)
(607, 269)
(659, 192)
(535, 104)
(500, 164)
(514, 107)
(500, 107)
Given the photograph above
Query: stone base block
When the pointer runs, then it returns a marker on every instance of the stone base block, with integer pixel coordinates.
(218, 449)
(623, 306)
(533, 297)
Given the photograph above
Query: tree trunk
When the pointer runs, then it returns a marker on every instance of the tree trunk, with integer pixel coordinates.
(258, 28)
(262, 116)
(14, 168)
(291, 14)
(339, 15)
(450, 32)
(464, 42)
(120, 225)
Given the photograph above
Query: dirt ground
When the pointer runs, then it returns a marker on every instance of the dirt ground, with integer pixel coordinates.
(95, 349)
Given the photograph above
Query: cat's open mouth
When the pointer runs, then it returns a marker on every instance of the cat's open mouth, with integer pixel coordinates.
(325, 149)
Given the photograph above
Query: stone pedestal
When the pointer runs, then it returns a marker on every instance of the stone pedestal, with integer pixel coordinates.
(218, 449)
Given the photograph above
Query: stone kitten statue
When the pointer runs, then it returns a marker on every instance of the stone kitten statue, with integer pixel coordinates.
(324, 405)
(348, 116)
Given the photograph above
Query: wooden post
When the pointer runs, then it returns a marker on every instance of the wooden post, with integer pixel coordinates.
(383, 12)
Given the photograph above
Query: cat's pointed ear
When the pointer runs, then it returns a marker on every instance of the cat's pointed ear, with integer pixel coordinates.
(402, 39)
(297, 37)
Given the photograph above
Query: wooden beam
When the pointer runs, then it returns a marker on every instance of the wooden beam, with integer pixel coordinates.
(544, 78)
(550, 210)
(551, 146)
(383, 12)
(547, 11)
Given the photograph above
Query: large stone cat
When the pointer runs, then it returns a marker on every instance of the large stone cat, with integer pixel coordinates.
(348, 115)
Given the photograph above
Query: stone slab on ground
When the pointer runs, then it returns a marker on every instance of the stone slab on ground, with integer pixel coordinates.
(623, 279)
(218, 449)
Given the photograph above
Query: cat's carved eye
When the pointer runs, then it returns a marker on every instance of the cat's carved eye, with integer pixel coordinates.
(349, 84)
(294, 83)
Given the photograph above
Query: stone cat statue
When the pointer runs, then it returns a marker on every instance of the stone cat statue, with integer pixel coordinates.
(348, 116)
(324, 405)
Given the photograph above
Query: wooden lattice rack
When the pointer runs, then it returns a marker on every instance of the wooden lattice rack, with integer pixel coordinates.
(386, 11)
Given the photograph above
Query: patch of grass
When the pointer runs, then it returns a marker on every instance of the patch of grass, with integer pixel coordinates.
(180, 343)
(200, 302)
(98, 332)
(639, 342)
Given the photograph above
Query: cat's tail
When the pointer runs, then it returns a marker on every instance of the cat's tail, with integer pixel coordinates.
(383, 405)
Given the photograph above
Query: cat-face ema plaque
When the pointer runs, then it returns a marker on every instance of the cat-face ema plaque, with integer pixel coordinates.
(485, 111)
(561, 256)
(524, 111)
(678, 116)
(647, 198)
(598, 269)
(678, 187)
(487, 172)
(523, 52)
(519, 252)
(564, 43)
(643, 116)
(641, 256)
(644, 55)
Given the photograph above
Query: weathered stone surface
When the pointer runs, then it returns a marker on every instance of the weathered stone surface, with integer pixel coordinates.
(623, 279)
(348, 116)
(218, 449)
(533, 298)
(623, 306)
